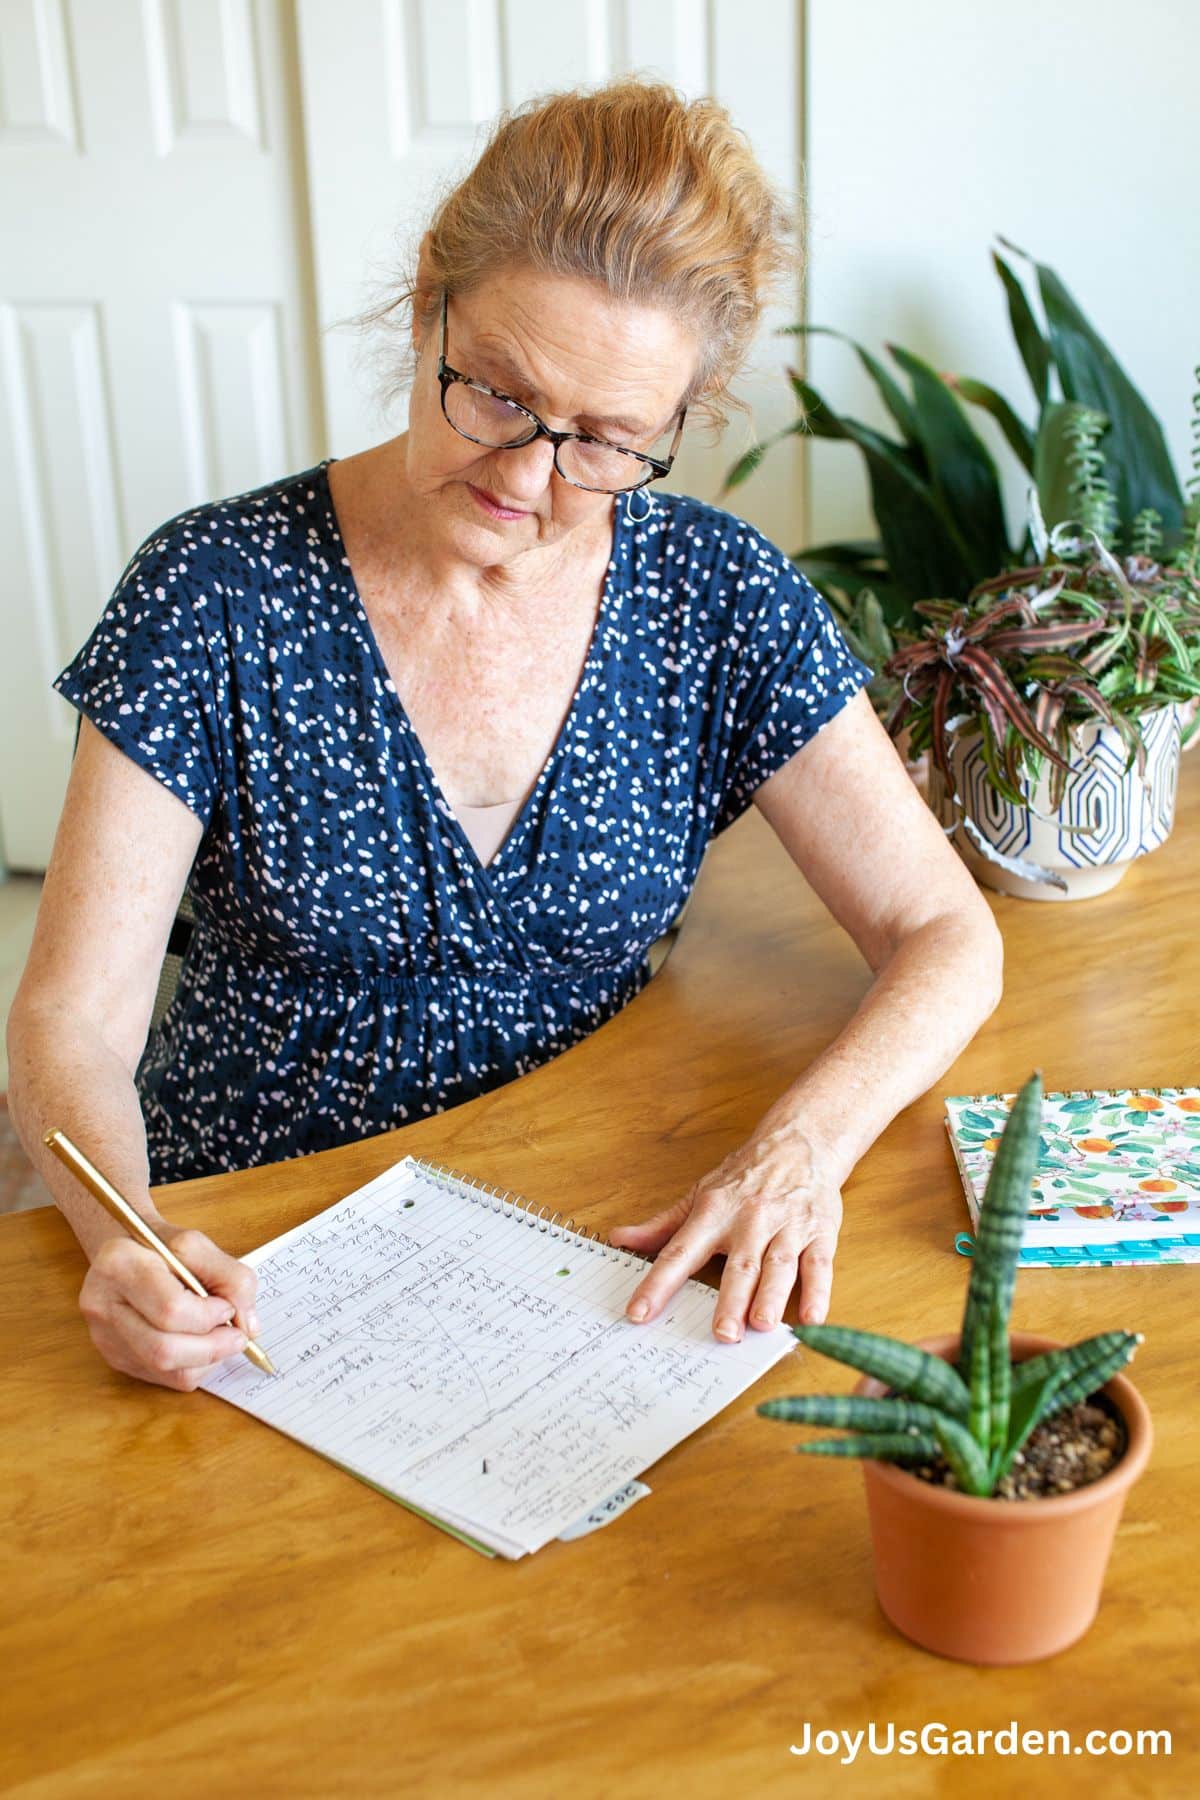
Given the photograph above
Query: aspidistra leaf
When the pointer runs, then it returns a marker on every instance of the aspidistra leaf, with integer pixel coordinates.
(1032, 345)
(961, 469)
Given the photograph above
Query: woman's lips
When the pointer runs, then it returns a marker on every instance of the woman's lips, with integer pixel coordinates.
(493, 507)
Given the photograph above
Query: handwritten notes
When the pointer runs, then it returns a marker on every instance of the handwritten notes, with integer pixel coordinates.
(475, 1363)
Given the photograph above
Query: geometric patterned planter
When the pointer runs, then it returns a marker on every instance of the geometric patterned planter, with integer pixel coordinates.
(1123, 816)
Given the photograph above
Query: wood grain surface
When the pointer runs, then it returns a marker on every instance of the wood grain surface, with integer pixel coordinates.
(192, 1603)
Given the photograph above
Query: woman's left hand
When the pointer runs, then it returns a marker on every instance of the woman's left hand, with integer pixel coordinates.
(773, 1205)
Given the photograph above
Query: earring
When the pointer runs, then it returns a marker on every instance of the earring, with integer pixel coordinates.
(638, 518)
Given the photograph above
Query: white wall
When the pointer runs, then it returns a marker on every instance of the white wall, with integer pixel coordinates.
(1071, 126)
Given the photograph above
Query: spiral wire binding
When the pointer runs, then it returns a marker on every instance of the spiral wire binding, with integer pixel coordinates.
(515, 1206)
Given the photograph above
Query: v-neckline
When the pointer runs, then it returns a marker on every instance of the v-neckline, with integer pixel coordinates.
(486, 871)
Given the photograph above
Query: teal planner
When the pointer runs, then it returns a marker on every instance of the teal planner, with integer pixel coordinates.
(1118, 1179)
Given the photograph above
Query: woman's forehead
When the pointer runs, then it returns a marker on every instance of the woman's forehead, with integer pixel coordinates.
(566, 344)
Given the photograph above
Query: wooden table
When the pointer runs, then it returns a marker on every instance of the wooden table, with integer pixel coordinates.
(193, 1605)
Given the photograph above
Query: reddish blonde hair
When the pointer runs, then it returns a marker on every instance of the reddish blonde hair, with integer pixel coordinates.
(658, 199)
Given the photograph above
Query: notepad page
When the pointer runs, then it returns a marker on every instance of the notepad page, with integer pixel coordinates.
(476, 1364)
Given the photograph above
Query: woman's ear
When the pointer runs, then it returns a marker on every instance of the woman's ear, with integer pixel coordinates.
(426, 292)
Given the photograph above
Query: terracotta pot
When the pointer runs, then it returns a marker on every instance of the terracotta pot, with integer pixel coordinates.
(997, 1581)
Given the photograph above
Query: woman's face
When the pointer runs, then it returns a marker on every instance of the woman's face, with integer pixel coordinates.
(579, 359)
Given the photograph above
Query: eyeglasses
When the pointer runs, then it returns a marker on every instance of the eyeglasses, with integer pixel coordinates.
(484, 416)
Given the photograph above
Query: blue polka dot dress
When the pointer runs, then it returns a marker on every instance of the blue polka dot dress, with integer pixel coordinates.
(354, 965)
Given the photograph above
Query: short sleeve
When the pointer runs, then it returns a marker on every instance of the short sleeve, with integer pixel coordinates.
(145, 677)
(794, 672)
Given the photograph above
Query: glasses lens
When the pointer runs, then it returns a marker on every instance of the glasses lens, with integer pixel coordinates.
(598, 466)
(485, 417)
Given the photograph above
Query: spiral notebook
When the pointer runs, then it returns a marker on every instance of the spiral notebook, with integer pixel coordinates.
(468, 1355)
(1118, 1178)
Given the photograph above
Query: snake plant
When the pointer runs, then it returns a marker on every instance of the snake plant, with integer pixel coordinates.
(976, 1413)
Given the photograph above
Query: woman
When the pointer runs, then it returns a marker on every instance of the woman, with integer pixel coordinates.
(438, 733)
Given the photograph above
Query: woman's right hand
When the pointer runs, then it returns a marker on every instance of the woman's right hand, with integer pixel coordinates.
(144, 1322)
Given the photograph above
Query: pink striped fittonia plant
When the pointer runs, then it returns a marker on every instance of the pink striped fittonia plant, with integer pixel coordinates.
(1079, 634)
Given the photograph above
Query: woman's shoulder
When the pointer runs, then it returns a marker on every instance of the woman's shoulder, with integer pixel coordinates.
(699, 532)
(250, 528)
(701, 548)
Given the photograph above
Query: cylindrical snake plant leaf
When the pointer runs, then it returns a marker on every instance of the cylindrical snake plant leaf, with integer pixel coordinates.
(880, 1446)
(1074, 1356)
(979, 1418)
(851, 1412)
(1084, 1379)
(1002, 1216)
(906, 1369)
(964, 1456)
(1000, 1381)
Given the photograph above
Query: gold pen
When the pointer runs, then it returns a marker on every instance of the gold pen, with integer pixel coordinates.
(101, 1189)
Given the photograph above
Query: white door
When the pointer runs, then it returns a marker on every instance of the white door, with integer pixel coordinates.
(156, 322)
(397, 98)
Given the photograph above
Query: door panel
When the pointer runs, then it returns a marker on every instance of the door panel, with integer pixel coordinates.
(156, 320)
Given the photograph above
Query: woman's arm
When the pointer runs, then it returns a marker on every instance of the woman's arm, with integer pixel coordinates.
(852, 820)
(76, 1031)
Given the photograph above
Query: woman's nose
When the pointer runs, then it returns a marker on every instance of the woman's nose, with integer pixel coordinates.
(523, 473)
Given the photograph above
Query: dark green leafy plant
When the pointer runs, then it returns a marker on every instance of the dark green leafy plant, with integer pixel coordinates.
(868, 635)
(978, 1412)
(935, 490)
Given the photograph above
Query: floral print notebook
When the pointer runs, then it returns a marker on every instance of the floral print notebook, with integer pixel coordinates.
(1118, 1177)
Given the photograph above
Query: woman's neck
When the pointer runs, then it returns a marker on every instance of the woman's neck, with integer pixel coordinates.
(395, 547)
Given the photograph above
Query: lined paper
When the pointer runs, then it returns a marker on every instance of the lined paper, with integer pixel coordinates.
(476, 1364)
